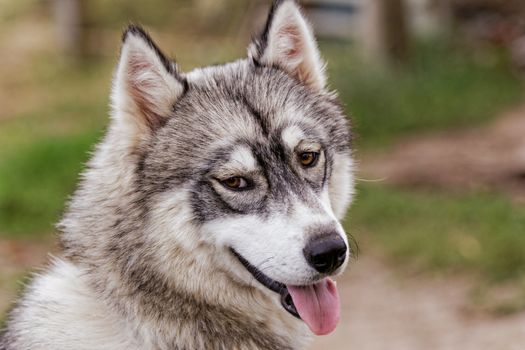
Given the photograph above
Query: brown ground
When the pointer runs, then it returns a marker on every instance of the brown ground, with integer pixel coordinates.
(489, 157)
(382, 310)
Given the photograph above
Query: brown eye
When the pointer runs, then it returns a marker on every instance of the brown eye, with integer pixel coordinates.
(236, 183)
(308, 159)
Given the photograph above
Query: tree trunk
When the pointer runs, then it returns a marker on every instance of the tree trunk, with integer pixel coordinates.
(394, 31)
(71, 24)
(385, 32)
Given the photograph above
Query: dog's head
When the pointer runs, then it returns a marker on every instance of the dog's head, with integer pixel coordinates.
(252, 157)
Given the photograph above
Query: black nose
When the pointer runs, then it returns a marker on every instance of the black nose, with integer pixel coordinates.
(326, 253)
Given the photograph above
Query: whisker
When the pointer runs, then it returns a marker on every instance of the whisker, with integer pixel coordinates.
(382, 179)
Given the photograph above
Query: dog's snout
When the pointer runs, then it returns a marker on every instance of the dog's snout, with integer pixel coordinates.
(326, 253)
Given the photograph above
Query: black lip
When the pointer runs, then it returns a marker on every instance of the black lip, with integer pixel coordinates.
(277, 287)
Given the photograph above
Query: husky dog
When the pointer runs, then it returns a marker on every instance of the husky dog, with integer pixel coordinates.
(208, 215)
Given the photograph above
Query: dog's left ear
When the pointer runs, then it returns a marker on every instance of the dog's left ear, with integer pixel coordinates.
(288, 43)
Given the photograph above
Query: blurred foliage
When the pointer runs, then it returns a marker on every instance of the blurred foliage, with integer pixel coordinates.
(12, 10)
(211, 17)
(443, 87)
(216, 18)
(477, 232)
(36, 181)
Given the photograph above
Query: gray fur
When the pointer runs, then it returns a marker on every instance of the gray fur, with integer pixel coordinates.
(176, 290)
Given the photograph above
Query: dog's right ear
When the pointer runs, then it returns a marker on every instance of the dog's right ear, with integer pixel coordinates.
(146, 84)
(288, 42)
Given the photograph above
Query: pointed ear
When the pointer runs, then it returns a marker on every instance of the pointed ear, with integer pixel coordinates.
(146, 84)
(288, 43)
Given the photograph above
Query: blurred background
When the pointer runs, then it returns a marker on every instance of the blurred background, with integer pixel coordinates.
(435, 92)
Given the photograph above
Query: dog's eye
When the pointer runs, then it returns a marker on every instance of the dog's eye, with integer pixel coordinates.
(308, 159)
(236, 183)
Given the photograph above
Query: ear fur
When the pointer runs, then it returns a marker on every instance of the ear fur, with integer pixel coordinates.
(288, 43)
(146, 83)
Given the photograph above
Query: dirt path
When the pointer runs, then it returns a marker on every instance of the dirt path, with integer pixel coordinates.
(382, 310)
(489, 157)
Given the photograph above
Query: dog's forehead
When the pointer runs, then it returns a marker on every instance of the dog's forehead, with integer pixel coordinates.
(241, 101)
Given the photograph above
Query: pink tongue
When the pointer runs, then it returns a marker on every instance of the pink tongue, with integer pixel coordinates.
(318, 305)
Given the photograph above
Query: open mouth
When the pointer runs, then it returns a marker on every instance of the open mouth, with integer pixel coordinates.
(316, 304)
(277, 287)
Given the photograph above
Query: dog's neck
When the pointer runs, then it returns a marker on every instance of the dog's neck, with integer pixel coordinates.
(218, 312)
(219, 309)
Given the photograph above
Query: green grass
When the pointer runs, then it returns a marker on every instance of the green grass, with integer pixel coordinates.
(43, 148)
(441, 88)
(479, 233)
(36, 181)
